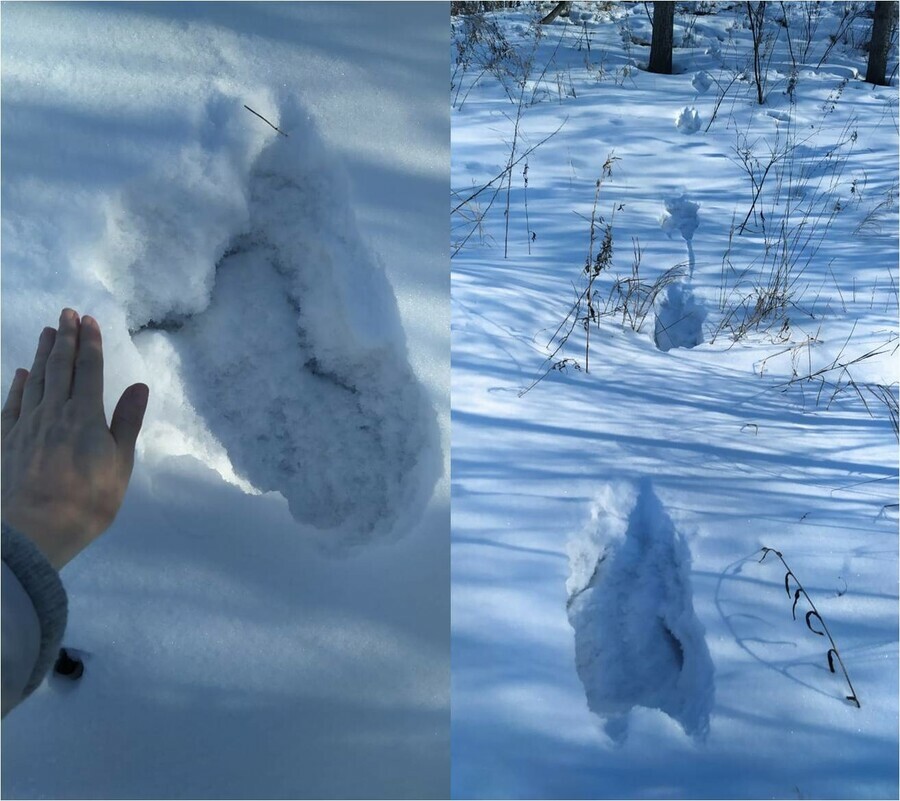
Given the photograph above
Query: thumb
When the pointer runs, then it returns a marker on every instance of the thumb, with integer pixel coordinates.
(127, 419)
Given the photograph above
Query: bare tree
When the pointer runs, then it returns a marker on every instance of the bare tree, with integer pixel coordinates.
(757, 17)
(558, 9)
(883, 23)
(661, 44)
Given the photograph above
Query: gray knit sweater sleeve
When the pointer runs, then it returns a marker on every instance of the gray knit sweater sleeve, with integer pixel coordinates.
(42, 585)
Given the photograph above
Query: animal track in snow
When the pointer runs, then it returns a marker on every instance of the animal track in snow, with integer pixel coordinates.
(701, 82)
(679, 316)
(682, 215)
(779, 116)
(638, 641)
(688, 120)
(288, 347)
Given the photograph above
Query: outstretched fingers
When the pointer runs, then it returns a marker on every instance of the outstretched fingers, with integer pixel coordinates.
(13, 406)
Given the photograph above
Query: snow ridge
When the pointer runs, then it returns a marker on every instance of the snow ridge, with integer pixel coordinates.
(638, 641)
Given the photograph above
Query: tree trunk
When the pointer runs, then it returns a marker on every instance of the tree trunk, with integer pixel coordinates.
(757, 18)
(882, 25)
(661, 45)
(555, 12)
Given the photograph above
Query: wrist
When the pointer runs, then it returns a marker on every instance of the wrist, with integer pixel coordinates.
(57, 547)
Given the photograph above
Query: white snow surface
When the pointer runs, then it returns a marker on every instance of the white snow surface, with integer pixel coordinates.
(614, 632)
(267, 617)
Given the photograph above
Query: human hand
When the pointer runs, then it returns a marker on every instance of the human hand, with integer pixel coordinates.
(65, 471)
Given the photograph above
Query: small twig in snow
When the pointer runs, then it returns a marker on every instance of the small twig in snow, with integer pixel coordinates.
(264, 120)
(833, 652)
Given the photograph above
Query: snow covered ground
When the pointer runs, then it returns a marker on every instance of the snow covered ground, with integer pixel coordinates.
(268, 615)
(614, 632)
